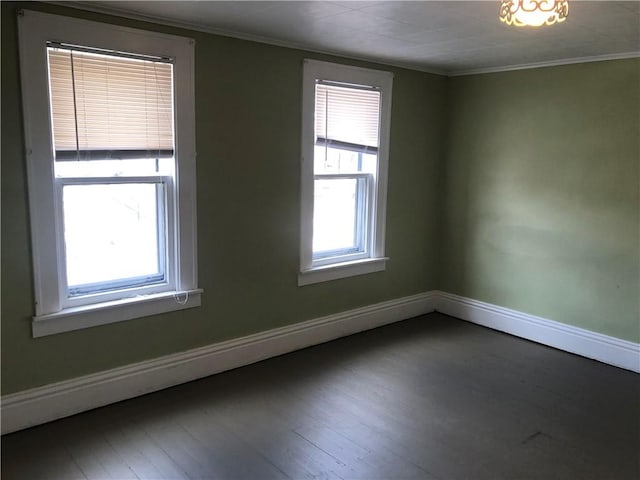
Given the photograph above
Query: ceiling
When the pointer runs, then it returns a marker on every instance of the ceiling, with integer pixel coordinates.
(450, 37)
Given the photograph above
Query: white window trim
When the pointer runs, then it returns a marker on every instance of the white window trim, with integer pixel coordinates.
(315, 272)
(102, 297)
(35, 29)
(365, 219)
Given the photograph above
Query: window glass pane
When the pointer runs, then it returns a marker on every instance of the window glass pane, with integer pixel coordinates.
(335, 160)
(115, 168)
(112, 233)
(335, 219)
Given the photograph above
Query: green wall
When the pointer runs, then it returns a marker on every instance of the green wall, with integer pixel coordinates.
(248, 109)
(541, 210)
(519, 188)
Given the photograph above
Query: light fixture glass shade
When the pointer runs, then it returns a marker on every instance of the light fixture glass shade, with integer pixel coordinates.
(533, 13)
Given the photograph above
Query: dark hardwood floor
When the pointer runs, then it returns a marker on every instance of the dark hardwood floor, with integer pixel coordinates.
(428, 398)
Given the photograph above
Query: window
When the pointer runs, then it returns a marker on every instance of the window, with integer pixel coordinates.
(109, 127)
(345, 138)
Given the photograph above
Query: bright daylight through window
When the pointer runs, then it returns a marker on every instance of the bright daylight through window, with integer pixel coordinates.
(113, 140)
(345, 151)
(108, 131)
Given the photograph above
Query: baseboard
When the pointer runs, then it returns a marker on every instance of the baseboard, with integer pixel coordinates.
(586, 343)
(50, 402)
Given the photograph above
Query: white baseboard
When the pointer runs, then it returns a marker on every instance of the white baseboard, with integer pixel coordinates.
(50, 402)
(597, 346)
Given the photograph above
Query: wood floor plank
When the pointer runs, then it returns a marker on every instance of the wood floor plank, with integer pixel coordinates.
(430, 398)
(133, 456)
(154, 454)
(364, 459)
(233, 457)
(33, 461)
(270, 432)
(183, 450)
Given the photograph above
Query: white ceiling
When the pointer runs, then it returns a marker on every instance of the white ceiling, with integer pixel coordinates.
(452, 37)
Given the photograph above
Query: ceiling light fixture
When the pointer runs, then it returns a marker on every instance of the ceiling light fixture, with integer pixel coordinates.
(533, 13)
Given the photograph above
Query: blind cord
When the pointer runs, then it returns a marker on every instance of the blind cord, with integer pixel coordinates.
(326, 127)
(75, 106)
(176, 297)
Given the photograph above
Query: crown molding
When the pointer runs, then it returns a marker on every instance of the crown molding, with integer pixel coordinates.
(87, 6)
(550, 63)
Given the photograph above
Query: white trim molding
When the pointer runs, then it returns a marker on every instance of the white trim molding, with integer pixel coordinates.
(50, 402)
(56, 308)
(115, 311)
(597, 346)
(224, 32)
(199, 27)
(549, 63)
(371, 190)
(341, 270)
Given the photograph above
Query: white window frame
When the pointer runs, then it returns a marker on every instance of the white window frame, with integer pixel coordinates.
(373, 258)
(363, 220)
(166, 232)
(54, 312)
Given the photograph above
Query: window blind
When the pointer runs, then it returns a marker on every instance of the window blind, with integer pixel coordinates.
(109, 106)
(348, 116)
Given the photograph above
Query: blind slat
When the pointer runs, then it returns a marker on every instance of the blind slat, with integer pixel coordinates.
(349, 115)
(108, 103)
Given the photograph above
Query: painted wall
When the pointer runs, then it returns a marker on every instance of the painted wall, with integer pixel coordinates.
(526, 200)
(542, 206)
(248, 113)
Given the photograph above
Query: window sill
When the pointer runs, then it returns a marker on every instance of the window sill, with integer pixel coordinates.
(327, 273)
(87, 316)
